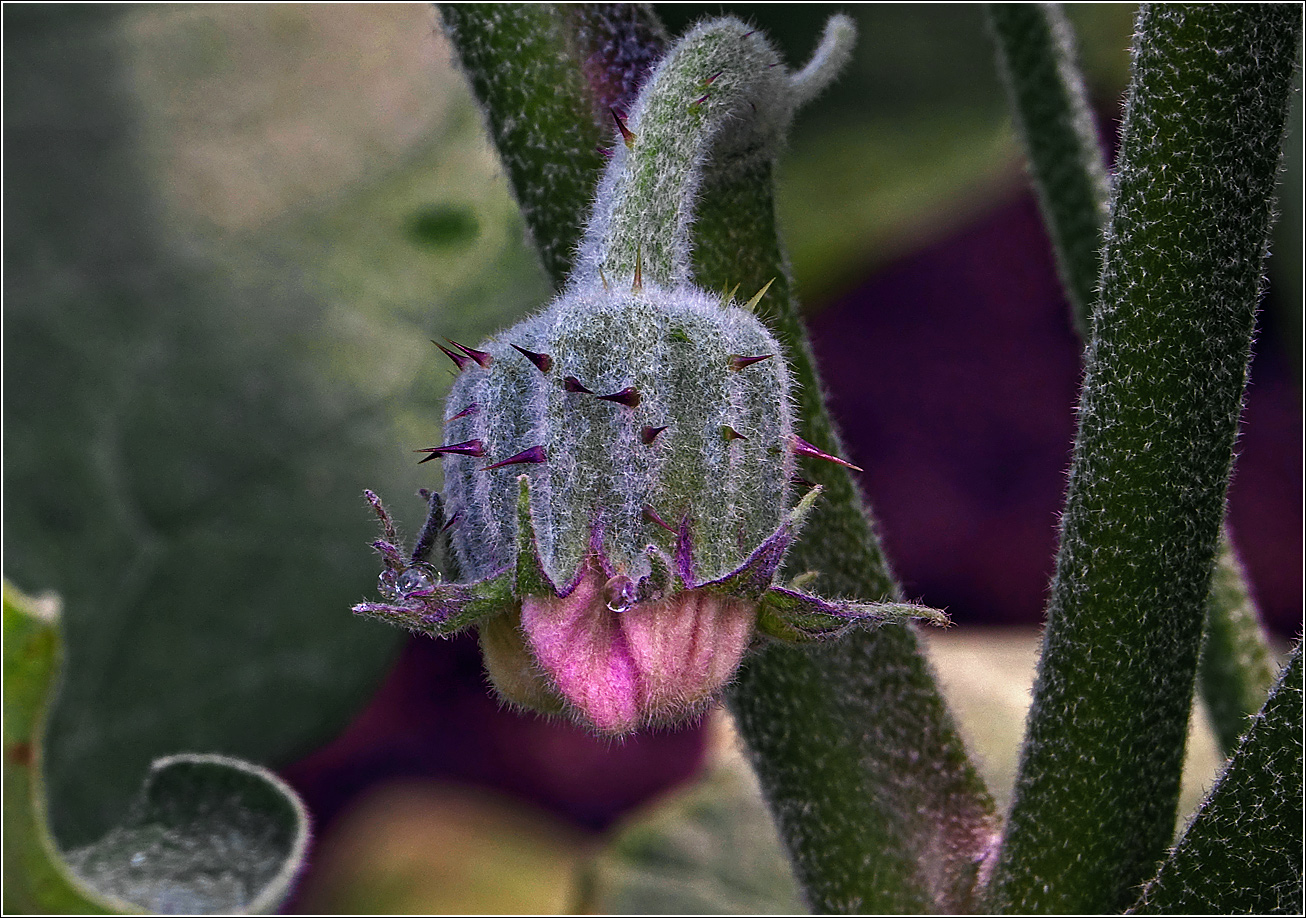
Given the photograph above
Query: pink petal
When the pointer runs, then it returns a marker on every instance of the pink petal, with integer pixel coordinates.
(686, 649)
(580, 644)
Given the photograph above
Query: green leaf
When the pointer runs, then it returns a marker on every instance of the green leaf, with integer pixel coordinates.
(35, 877)
(1242, 852)
(206, 834)
(1165, 371)
(180, 469)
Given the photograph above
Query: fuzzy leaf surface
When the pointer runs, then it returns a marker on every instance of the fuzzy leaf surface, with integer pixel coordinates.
(207, 834)
(180, 470)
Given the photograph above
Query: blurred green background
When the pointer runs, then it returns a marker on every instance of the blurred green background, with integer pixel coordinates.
(230, 232)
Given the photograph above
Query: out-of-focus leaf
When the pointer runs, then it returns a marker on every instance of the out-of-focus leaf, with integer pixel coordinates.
(421, 848)
(177, 468)
(207, 833)
(712, 849)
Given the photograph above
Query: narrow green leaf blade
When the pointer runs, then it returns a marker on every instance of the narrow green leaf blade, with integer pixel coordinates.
(35, 876)
(1242, 852)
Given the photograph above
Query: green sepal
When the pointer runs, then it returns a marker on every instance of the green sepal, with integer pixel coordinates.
(800, 618)
(447, 608)
(662, 579)
(531, 578)
(755, 576)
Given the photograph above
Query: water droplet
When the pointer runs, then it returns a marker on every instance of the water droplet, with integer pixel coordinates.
(619, 592)
(386, 584)
(418, 579)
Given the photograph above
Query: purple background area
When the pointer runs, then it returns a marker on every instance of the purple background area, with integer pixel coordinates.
(954, 374)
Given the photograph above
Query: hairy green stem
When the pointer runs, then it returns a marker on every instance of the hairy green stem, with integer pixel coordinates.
(858, 756)
(1165, 370)
(1050, 104)
(705, 88)
(549, 127)
(1049, 99)
(856, 751)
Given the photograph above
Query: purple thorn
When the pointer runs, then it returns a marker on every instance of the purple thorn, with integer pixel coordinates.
(543, 361)
(534, 454)
(712, 79)
(731, 434)
(456, 358)
(700, 100)
(803, 448)
(572, 384)
(749, 34)
(481, 357)
(649, 434)
(452, 521)
(652, 516)
(626, 133)
(466, 412)
(738, 362)
(628, 396)
(473, 448)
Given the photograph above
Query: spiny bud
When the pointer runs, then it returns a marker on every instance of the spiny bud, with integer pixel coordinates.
(623, 554)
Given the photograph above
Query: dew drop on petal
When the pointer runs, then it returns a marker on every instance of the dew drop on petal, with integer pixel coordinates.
(619, 593)
(386, 584)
